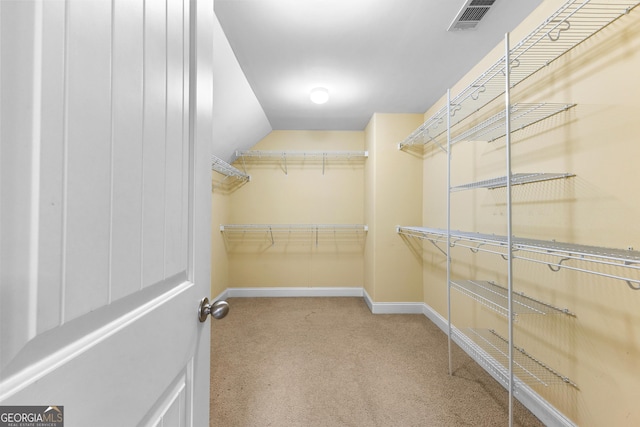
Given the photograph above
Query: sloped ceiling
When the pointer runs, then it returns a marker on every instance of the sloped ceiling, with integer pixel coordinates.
(389, 56)
(239, 120)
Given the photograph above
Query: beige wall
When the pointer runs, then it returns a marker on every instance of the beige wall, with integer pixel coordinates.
(220, 189)
(301, 196)
(598, 141)
(393, 197)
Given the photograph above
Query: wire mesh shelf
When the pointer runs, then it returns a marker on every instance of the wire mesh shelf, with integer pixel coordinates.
(496, 298)
(318, 156)
(522, 115)
(516, 179)
(493, 352)
(553, 254)
(220, 166)
(433, 130)
(570, 25)
(298, 231)
(265, 154)
(293, 228)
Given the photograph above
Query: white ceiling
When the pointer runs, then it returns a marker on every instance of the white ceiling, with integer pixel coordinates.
(388, 56)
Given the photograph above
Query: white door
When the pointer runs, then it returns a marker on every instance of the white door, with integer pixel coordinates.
(105, 215)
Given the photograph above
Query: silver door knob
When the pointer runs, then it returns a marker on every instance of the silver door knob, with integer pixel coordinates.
(217, 310)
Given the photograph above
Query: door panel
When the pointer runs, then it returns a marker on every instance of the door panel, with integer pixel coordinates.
(127, 128)
(104, 177)
(51, 148)
(154, 146)
(86, 167)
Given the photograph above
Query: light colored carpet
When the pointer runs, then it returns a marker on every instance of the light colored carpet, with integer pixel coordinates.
(330, 362)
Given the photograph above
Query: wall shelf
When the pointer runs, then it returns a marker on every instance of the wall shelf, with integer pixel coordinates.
(495, 297)
(516, 179)
(257, 155)
(571, 24)
(626, 261)
(522, 115)
(493, 351)
(273, 231)
(226, 169)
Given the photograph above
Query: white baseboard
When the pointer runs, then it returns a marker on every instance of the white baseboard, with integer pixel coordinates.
(393, 307)
(222, 296)
(539, 407)
(293, 292)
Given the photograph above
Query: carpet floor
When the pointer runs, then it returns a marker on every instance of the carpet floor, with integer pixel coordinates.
(330, 362)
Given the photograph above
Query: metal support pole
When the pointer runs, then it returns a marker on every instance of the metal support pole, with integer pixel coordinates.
(507, 100)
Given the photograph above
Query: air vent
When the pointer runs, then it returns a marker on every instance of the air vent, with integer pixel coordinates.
(470, 14)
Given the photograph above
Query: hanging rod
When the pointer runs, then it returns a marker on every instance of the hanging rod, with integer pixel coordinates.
(220, 166)
(516, 179)
(526, 249)
(495, 297)
(570, 25)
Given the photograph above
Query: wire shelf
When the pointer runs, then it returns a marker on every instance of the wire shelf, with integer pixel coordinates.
(522, 115)
(570, 25)
(553, 254)
(299, 231)
(492, 350)
(516, 179)
(433, 130)
(220, 166)
(262, 154)
(293, 228)
(318, 156)
(496, 298)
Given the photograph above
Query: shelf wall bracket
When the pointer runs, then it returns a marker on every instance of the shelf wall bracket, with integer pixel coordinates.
(476, 249)
(559, 29)
(438, 247)
(635, 288)
(324, 158)
(558, 266)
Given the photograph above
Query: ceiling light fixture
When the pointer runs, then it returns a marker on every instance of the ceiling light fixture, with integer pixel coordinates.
(319, 95)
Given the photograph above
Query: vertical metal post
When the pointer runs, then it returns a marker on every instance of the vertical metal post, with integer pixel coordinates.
(449, 228)
(507, 100)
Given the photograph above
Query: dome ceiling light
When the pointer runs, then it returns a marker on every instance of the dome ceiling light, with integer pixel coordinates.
(319, 95)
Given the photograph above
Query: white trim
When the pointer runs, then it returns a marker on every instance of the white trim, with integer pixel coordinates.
(222, 295)
(292, 292)
(539, 407)
(367, 299)
(393, 307)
